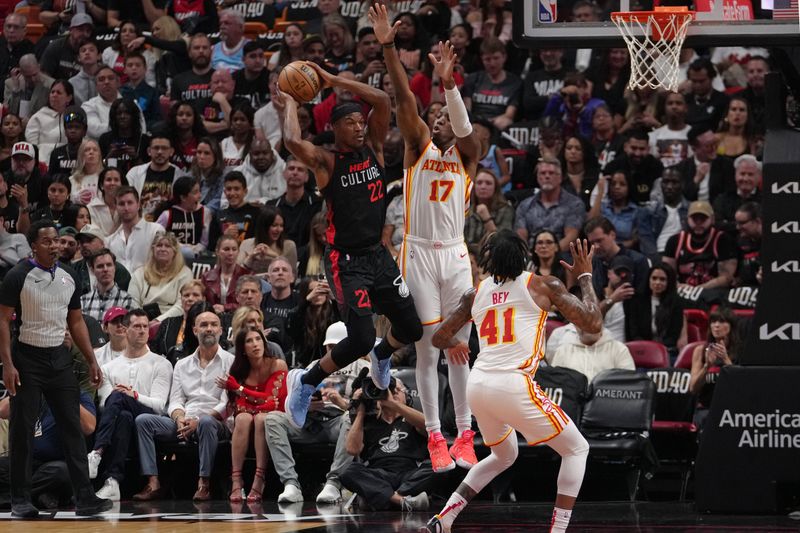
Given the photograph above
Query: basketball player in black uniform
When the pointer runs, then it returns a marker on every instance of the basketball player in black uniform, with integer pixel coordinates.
(362, 273)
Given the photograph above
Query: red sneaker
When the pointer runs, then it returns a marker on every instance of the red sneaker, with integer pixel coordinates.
(440, 458)
(463, 450)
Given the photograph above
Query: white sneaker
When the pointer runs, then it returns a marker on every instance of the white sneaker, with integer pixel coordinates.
(329, 494)
(290, 494)
(416, 503)
(93, 458)
(109, 490)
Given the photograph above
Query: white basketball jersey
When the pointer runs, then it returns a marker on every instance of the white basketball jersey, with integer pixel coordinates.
(510, 326)
(436, 190)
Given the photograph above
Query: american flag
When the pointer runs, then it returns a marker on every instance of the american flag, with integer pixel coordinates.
(785, 9)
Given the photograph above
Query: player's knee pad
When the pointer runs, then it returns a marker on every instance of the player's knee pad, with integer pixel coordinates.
(407, 329)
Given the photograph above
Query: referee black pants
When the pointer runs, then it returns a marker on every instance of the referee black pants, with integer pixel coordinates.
(46, 372)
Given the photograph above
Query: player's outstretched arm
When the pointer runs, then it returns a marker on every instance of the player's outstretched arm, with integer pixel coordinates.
(466, 139)
(379, 117)
(413, 128)
(312, 156)
(444, 337)
(584, 313)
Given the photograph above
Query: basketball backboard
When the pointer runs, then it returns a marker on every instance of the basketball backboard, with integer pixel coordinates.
(549, 23)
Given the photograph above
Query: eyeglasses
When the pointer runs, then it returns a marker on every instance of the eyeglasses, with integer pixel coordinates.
(547, 242)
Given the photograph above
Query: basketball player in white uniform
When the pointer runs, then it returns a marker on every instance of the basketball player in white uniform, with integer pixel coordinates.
(433, 257)
(510, 310)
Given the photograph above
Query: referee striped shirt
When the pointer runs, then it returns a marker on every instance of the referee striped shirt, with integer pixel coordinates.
(41, 298)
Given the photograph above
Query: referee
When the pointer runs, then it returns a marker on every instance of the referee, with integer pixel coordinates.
(44, 296)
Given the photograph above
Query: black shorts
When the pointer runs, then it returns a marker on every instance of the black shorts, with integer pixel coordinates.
(366, 283)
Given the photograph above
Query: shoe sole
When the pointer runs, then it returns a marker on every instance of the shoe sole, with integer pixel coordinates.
(25, 515)
(291, 379)
(100, 508)
(447, 468)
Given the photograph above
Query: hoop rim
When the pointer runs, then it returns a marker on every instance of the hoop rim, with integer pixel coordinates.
(660, 14)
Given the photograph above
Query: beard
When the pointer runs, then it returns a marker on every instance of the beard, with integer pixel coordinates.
(209, 339)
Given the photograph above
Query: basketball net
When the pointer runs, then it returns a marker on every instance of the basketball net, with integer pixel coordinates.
(654, 40)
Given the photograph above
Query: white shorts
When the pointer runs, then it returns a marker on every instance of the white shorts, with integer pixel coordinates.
(503, 402)
(437, 273)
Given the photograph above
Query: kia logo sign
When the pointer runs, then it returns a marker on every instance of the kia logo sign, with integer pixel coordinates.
(792, 226)
(790, 267)
(785, 332)
(791, 187)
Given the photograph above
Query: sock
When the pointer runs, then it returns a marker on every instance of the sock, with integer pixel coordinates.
(384, 350)
(314, 376)
(454, 505)
(560, 520)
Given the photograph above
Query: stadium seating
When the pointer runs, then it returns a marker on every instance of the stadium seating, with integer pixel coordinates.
(617, 421)
(684, 359)
(648, 354)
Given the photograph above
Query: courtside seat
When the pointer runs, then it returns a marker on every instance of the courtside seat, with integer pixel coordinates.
(699, 318)
(617, 421)
(648, 354)
(684, 359)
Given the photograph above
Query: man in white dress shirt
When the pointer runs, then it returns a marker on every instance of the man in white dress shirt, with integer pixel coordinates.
(196, 410)
(131, 242)
(134, 384)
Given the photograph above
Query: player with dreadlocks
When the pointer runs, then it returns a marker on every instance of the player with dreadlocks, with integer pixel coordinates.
(510, 309)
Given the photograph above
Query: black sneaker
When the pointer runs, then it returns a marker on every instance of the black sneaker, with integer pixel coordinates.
(24, 510)
(93, 506)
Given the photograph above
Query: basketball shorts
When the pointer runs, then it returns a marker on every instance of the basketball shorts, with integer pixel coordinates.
(503, 402)
(366, 283)
(438, 274)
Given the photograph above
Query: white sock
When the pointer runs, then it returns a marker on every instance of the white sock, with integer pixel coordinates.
(454, 505)
(560, 520)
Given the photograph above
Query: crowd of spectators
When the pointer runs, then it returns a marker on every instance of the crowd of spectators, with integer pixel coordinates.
(145, 131)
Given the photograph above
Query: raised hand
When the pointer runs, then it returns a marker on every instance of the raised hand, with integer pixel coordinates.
(379, 17)
(444, 67)
(582, 254)
(326, 79)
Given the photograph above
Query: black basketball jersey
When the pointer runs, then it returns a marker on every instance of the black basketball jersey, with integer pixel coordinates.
(187, 227)
(356, 200)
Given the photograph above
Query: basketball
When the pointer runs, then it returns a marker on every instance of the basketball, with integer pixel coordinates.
(300, 81)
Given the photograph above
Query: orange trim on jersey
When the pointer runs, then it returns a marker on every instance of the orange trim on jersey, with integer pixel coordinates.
(530, 280)
(432, 322)
(536, 343)
(509, 432)
(552, 413)
(404, 251)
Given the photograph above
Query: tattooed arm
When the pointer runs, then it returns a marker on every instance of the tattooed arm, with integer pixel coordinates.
(548, 291)
(445, 335)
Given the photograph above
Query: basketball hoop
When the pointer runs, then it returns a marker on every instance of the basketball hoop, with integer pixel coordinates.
(654, 40)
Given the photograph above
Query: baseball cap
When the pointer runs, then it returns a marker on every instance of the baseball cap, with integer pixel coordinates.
(114, 312)
(23, 148)
(335, 333)
(74, 113)
(89, 232)
(701, 207)
(622, 262)
(79, 19)
(68, 230)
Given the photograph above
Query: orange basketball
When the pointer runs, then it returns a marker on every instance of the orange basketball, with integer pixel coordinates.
(300, 81)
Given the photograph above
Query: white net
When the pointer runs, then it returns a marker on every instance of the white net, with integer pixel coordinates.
(654, 41)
